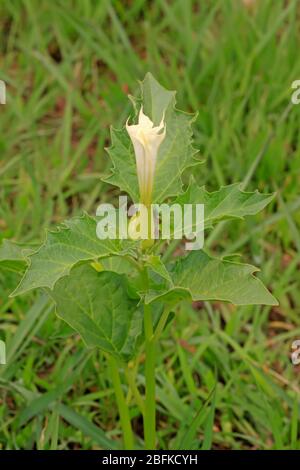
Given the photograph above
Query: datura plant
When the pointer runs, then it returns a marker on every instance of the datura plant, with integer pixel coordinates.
(120, 294)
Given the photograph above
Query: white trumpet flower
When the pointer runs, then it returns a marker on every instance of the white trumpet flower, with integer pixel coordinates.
(146, 139)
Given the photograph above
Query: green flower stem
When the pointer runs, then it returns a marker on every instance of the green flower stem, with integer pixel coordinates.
(122, 405)
(149, 416)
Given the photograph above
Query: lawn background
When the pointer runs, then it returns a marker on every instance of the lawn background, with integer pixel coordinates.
(68, 67)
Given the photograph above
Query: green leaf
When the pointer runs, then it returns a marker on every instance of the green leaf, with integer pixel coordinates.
(117, 265)
(201, 277)
(74, 241)
(176, 153)
(2, 353)
(13, 256)
(123, 174)
(97, 306)
(155, 98)
(227, 203)
(189, 429)
(157, 266)
(12, 251)
(81, 423)
(209, 425)
(120, 265)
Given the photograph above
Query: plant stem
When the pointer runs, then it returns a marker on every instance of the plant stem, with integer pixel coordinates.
(122, 405)
(149, 416)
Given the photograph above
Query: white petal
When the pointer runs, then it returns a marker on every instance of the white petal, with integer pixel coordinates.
(146, 140)
(144, 121)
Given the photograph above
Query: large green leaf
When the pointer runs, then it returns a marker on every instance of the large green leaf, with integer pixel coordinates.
(13, 256)
(117, 264)
(123, 174)
(175, 154)
(97, 306)
(74, 241)
(200, 277)
(155, 265)
(13, 251)
(227, 203)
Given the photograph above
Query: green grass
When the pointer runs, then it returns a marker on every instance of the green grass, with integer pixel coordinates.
(68, 67)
